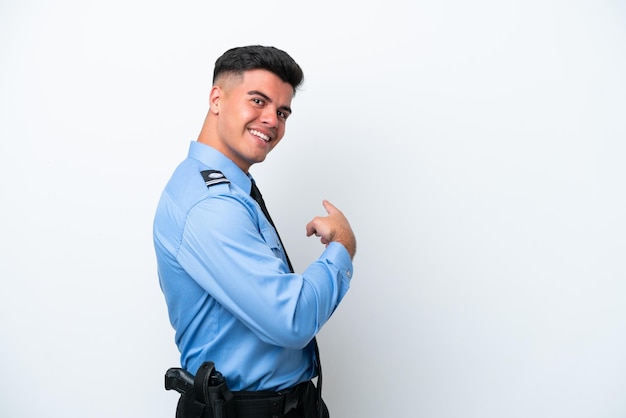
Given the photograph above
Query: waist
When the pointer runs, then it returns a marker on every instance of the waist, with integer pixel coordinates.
(261, 404)
(256, 366)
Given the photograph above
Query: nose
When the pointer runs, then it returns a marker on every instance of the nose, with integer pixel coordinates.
(270, 116)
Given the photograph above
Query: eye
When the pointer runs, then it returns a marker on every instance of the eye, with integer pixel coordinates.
(258, 101)
(283, 115)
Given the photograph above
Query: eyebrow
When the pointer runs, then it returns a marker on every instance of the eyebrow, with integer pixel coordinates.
(266, 97)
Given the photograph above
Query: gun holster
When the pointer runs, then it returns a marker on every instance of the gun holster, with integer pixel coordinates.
(204, 395)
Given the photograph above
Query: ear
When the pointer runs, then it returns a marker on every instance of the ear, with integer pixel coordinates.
(214, 99)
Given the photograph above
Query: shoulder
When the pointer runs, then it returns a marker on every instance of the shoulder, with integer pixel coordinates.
(222, 211)
(223, 197)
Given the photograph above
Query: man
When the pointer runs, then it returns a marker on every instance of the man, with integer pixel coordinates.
(232, 296)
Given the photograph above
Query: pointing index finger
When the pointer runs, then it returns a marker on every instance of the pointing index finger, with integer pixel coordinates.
(330, 208)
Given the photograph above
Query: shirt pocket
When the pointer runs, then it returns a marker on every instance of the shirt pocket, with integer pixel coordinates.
(271, 238)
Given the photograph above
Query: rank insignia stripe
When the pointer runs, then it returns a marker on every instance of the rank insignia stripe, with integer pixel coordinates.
(213, 177)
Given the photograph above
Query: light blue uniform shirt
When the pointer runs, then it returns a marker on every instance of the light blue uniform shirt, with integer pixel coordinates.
(230, 296)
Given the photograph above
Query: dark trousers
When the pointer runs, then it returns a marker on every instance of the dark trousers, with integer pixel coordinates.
(299, 402)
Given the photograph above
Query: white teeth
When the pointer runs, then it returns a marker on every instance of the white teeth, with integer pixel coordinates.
(260, 135)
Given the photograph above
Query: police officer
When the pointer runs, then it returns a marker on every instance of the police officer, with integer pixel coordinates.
(231, 292)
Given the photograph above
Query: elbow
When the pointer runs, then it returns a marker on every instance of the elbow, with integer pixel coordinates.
(295, 334)
(297, 337)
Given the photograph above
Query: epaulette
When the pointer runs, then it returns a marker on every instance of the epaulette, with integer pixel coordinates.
(213, 177)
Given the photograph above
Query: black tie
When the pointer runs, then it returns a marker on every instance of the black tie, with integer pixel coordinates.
(255, 193)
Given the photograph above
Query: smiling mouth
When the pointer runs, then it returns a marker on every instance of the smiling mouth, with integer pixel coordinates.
(260, 135)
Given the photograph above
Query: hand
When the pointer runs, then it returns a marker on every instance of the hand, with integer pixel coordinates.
(334, 227)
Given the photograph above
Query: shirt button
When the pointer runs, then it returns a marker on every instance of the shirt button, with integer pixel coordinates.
(349, 274)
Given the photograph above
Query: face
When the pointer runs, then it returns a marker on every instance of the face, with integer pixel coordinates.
(251, 111)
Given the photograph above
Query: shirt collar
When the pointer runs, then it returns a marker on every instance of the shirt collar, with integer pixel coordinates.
(215, 160)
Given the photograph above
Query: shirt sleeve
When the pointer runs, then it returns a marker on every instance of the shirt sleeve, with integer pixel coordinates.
(233, 253)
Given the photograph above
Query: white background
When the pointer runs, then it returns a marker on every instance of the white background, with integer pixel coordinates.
(477, 148)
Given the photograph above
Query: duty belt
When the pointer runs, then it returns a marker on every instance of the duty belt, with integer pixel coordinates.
(207, 396)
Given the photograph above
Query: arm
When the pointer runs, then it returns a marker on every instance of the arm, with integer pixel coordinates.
(238, 266)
